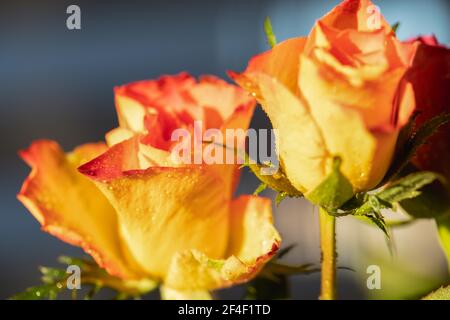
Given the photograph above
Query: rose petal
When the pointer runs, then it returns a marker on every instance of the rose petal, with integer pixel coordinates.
(269, 63)
(351, 47)
(70, 207)
(368, 90)
(117, 135)
(163, 210)
(430, 77)
(254, 240)
(216, 94)
(345, 131)
(355, 14)
(167, 96)
(300, 146)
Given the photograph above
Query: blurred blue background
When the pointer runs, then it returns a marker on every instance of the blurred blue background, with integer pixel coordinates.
(57, 84)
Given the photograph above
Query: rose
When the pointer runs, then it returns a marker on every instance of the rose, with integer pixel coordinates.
(139, 215)
(430, 77)
(340, 91)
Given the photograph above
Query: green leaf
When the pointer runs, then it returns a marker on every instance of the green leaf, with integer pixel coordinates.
(52, 275)
(268, 289)
(442, 293)
(285, 251)
(408, 149)
(47, 291)
(270, 36)
(272, 281)
(280, 197)
(91, 276)
(400, 190)
(334, 191)
(287, 270)
(432, 202)
(92, 292)
(407, 187)
(395, 27)
(443, 225)
(260, 189)
(369, 205)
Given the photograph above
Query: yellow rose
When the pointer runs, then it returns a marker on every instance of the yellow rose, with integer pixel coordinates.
(338, 92)
(139, 215)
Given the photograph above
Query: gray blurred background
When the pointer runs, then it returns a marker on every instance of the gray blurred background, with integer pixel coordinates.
(57, 84)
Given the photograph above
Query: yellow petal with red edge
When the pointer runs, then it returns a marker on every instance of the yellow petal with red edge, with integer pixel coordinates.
(70, 207)
(166, 94)
(300, 146)
(281, 63)
(227, 108)
(349, 46)
(253, 241)
(163, 210)
(371, 92)
(172, 294)
(361, 15)
(214, 94)
(345, 132)
(117, 135)
(236, 126)
(131, 112)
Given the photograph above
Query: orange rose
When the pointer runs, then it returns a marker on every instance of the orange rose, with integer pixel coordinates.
(139, 215)
(340, 91)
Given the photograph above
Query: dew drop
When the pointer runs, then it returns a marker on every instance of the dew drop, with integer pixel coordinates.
(264, 243)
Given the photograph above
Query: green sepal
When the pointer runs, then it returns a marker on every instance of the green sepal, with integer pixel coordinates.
(270, 36)
(280, 197)
(334, 191)
(277, 181)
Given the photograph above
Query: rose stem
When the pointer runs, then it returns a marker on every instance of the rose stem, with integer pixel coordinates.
(328, 249)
